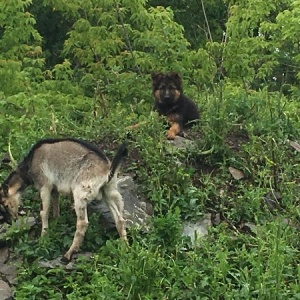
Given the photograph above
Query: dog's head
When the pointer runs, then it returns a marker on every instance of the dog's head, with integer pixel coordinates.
(167, 88)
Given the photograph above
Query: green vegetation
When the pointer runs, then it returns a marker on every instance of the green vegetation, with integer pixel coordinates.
(82, 69)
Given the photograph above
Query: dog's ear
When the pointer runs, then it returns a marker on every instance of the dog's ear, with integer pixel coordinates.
(156, 76)
(176, 77)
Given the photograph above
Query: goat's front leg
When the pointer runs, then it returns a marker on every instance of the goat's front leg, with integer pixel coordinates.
(45, 194)
(81, 227)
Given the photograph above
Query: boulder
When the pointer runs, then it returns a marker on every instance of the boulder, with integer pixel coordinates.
(198, 229)
(5, 291)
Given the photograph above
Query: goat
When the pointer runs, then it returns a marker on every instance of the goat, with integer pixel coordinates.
(67, 166)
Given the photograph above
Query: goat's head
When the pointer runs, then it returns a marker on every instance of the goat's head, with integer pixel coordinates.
(9, 205)
(10, 197)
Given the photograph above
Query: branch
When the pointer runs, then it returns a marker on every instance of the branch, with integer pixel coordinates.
(206, 21)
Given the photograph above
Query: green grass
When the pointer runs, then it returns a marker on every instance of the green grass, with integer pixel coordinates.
(248, 131)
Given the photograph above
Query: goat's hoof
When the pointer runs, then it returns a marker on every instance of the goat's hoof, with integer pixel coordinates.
(65, 260)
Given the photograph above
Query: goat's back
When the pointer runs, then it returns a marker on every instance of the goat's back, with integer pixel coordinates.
(64, 163)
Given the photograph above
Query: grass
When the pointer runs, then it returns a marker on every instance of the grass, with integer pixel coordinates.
(245, 130)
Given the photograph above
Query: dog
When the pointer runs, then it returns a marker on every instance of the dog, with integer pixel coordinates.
(181, 112)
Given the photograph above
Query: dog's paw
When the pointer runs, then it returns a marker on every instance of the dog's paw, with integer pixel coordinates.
(171, 135)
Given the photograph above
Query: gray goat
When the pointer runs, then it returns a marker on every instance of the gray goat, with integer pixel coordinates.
(67, 166)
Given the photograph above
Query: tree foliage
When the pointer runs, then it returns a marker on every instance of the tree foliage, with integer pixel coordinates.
(260, 47)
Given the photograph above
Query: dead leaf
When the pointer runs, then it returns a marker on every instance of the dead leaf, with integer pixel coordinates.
(295, 145)
(236, 174)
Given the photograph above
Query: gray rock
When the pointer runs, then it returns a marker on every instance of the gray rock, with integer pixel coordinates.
(9, 272)
(55, 263)
(21, 222)
(182, 143)
(3, 228)
(26, 222)
(196, 230)
(5, 291)
(51, 264)
(4, 254)
(272, 200)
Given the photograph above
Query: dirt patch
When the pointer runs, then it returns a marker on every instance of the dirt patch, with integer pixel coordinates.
(236, 139)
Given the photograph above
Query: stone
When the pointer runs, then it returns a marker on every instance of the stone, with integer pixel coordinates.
(272, 200)
(182, 143)
(295, 145)
(28, 222)
(5, 291)
(56, 262)
(21, 222)
(51, 264)
(236, 174)
(9, 271)
(4, 254)
(198, 229)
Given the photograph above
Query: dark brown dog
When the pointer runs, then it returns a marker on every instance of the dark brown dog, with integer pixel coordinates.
(172, 103)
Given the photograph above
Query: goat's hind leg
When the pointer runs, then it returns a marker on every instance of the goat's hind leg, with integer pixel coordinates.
(115, 203)
(81, 227)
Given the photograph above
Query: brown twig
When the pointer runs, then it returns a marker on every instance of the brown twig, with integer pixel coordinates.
(206, 21)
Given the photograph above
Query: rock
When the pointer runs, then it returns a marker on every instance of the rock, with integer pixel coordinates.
(236, 174)
(196, 230)
(3, 228)
(295, 145)
(9, 271)
(291, 223)
(272, 200)
(21, 222)
(56, 262)
(51, 264)
(249, 228)
(5, 291)
(26, 222)
(136, 210)
(182, 143)
(4, 255)
(216, 219)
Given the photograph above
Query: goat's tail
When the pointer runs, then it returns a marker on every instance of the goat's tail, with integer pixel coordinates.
(116, 162)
